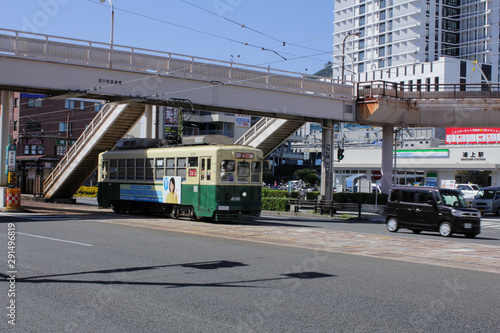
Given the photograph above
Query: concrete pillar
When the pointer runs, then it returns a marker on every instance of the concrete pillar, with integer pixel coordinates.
(148, 122)
(327, 159)
(4, 136)
(160, 122)
(387, 158)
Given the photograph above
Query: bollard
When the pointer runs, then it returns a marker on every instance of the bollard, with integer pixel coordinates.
(13, 198)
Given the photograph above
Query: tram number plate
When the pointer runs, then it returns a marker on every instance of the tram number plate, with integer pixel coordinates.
(223, 207)
(467, 225)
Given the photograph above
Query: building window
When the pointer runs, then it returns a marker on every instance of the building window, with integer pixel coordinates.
(82, 106)
(69, 104)
(34, 102)
(34, 126)
(63, 127)
(98, 107)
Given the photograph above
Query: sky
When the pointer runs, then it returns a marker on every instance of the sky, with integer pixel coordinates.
(289, 35)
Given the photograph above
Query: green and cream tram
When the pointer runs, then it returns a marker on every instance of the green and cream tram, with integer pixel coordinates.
(219, 182)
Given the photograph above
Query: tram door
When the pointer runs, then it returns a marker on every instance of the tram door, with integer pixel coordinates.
(204, 199)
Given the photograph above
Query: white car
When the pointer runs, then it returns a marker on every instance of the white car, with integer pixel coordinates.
(469, 191)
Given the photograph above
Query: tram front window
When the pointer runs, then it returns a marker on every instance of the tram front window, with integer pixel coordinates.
(243, 172)
(227, 168)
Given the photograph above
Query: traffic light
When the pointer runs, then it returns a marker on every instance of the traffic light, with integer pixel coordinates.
(340, 154)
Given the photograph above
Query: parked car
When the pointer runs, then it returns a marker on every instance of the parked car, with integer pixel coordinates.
(422, 208)
(469, 191)
(488, 200)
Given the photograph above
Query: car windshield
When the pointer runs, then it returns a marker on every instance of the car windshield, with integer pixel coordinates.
(464, 187)
(488, 194)
(476, 187)
(452, 199)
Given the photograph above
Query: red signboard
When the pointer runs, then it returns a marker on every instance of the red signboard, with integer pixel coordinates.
(192, 172)
(468, 135)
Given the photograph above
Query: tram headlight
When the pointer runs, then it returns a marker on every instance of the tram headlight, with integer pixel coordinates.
(244, 194)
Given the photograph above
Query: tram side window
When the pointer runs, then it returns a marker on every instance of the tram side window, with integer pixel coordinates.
(130, 169)
(170, 166)
(113, 169)
(192, 161)
(243, 172)
(227, 168)
(181, 167)
(149, 168)
(160, 169)
(256, 171)
(121, 169)
(139, 169)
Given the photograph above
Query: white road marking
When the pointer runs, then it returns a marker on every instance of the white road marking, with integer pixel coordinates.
(54, 239)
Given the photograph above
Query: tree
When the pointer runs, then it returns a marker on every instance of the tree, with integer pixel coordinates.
(307, 175)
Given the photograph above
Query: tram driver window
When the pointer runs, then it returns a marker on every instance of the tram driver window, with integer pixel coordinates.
(113, 169)
(243, 172)
(227, 168)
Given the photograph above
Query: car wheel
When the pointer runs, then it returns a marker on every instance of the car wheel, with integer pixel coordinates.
(498, 211)
(445, 229)
(392, 224)
(416, 231)
(470, 235)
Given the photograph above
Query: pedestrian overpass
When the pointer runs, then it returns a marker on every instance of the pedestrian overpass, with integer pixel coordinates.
(130, 79)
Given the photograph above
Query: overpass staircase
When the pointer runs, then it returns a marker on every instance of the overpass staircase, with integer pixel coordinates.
(109, 125)
(268, 133)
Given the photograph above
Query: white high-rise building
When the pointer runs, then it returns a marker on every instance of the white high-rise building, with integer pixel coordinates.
(424, 42)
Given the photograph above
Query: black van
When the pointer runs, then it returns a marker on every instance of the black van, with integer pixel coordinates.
(421, 208)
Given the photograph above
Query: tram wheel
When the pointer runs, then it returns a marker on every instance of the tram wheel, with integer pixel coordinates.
(175, 213)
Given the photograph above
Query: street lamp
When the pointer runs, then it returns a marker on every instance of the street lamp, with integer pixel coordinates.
(112, 29)
(343, 49)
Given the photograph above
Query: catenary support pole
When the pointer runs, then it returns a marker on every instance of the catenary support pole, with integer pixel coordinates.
(387, 155)
(327, 160)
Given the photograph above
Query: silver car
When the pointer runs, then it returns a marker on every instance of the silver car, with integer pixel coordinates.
(487, 200)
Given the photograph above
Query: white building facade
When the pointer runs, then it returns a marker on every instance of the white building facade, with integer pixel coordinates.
(422, 43)
(435, 41)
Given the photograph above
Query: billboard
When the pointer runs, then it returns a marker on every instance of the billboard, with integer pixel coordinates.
(468, 135)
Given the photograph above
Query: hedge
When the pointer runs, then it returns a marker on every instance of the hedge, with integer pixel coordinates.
(270, 197)
(86, 191)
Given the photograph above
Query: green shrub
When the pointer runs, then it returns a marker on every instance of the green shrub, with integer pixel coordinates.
(86, 191)
(275, 204)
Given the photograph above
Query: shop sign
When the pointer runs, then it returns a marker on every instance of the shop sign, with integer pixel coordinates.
(418, 153)
(467, 135)
(472, 156)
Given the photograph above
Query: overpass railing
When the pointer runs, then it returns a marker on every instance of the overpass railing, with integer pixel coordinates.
(372, 89)
(71, 154)
(35, 46)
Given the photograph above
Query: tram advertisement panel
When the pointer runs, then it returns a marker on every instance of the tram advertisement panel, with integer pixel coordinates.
(149, 193)
(172, 190)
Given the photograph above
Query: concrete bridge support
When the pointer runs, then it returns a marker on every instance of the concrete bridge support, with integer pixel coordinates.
(327, 159)
(387, 158)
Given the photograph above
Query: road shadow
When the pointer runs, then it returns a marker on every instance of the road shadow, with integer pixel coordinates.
(123, 276)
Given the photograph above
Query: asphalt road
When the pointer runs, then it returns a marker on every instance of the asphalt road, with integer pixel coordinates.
(94, 271)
